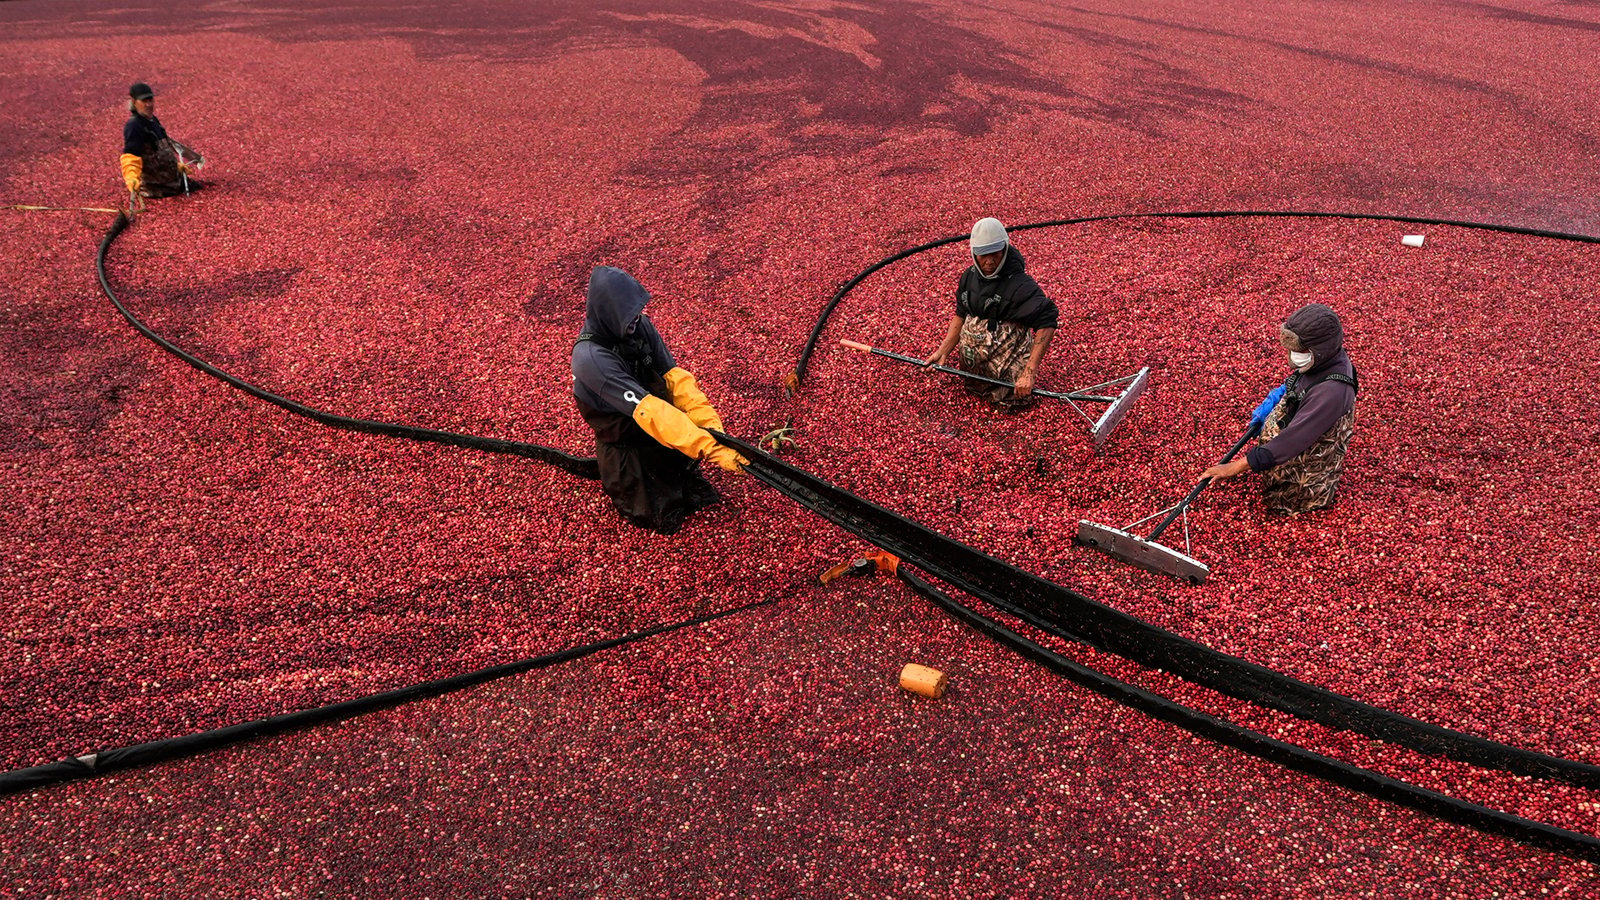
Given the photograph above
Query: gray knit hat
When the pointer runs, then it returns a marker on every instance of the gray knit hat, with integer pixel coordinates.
(988, 236)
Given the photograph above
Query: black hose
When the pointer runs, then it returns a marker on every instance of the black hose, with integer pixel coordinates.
(1072, 616)
(1365, 781)
(1059, 610)
(1065, 613)
(583, 467)
(152, 752)
(827, 309)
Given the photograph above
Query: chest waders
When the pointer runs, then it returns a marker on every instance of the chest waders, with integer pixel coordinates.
(1310, 480)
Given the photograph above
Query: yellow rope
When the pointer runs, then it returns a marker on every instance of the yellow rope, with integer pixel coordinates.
(64, 208)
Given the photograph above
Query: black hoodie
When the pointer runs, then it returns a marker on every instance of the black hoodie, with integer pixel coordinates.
(611, 367)
(1010, 296)
(142, 135)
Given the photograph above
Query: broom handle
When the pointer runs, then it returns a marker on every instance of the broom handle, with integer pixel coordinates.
(1184, 503)
(1054, 395)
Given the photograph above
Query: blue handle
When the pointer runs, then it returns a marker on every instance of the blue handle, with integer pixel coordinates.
(1259, 417)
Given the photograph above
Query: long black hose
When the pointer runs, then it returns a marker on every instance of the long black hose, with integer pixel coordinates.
(1067, 614)
(584, 467)
(1074, 616)
(152, 752)
(827, 308)
(1373, 784)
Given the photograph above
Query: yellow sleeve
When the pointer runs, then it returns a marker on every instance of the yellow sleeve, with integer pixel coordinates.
(132, 171)
(687, 396)
(671, 427)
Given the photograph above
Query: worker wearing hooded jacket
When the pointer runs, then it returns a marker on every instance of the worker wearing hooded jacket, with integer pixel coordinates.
(153, 164)
(1002, 323)
(1305, 434)
(651, 421)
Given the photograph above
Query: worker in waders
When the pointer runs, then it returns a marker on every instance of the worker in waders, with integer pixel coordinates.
(153, 164)
(1003, 322)
(1307, 422)
(650, 418)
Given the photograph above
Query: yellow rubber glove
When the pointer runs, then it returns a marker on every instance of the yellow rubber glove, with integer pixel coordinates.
(687, 396)
(132, 171)
(729, 459)
(672, 428)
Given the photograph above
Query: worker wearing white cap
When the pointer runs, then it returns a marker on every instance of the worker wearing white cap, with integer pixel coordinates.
(1002, 323)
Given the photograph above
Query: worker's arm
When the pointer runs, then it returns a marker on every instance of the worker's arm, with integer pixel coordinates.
(1323, 407)
(687, 396)
(132, 171)
(952, 336)
(1030, 369)
(673, 428)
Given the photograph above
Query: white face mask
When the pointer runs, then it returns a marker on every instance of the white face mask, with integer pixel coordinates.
(1300, 360)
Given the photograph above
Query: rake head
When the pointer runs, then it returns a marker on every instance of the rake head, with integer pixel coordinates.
(1132, 549)
(1118, 410)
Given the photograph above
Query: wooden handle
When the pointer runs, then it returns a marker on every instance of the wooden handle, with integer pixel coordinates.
(856, 345)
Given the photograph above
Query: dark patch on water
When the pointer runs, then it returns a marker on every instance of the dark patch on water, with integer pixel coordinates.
(560, 293)
(186, 306)
(1517, 15)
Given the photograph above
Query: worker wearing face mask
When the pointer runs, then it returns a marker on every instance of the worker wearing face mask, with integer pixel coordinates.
(1002, 323)
(652, 423)
(1306, 424)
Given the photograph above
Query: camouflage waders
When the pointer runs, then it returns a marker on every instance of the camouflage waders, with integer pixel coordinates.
(1000, 352)
(1311, 480)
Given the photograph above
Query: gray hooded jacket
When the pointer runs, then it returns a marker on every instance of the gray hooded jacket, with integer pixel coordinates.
(611, 366)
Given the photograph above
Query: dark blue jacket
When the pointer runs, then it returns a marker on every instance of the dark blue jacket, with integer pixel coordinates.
(611, 368)
(141, 136)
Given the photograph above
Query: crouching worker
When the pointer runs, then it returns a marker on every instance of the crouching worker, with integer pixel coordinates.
(153, 165)
(1003, 322)
(650, 419)
(1307, 423)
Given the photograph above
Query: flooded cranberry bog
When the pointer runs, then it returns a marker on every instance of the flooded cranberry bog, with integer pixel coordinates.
(401, 210)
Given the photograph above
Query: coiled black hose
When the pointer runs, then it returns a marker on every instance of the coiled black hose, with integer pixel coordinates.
(827, 308)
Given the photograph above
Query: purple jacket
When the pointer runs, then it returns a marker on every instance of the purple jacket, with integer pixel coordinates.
(1323, 402)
